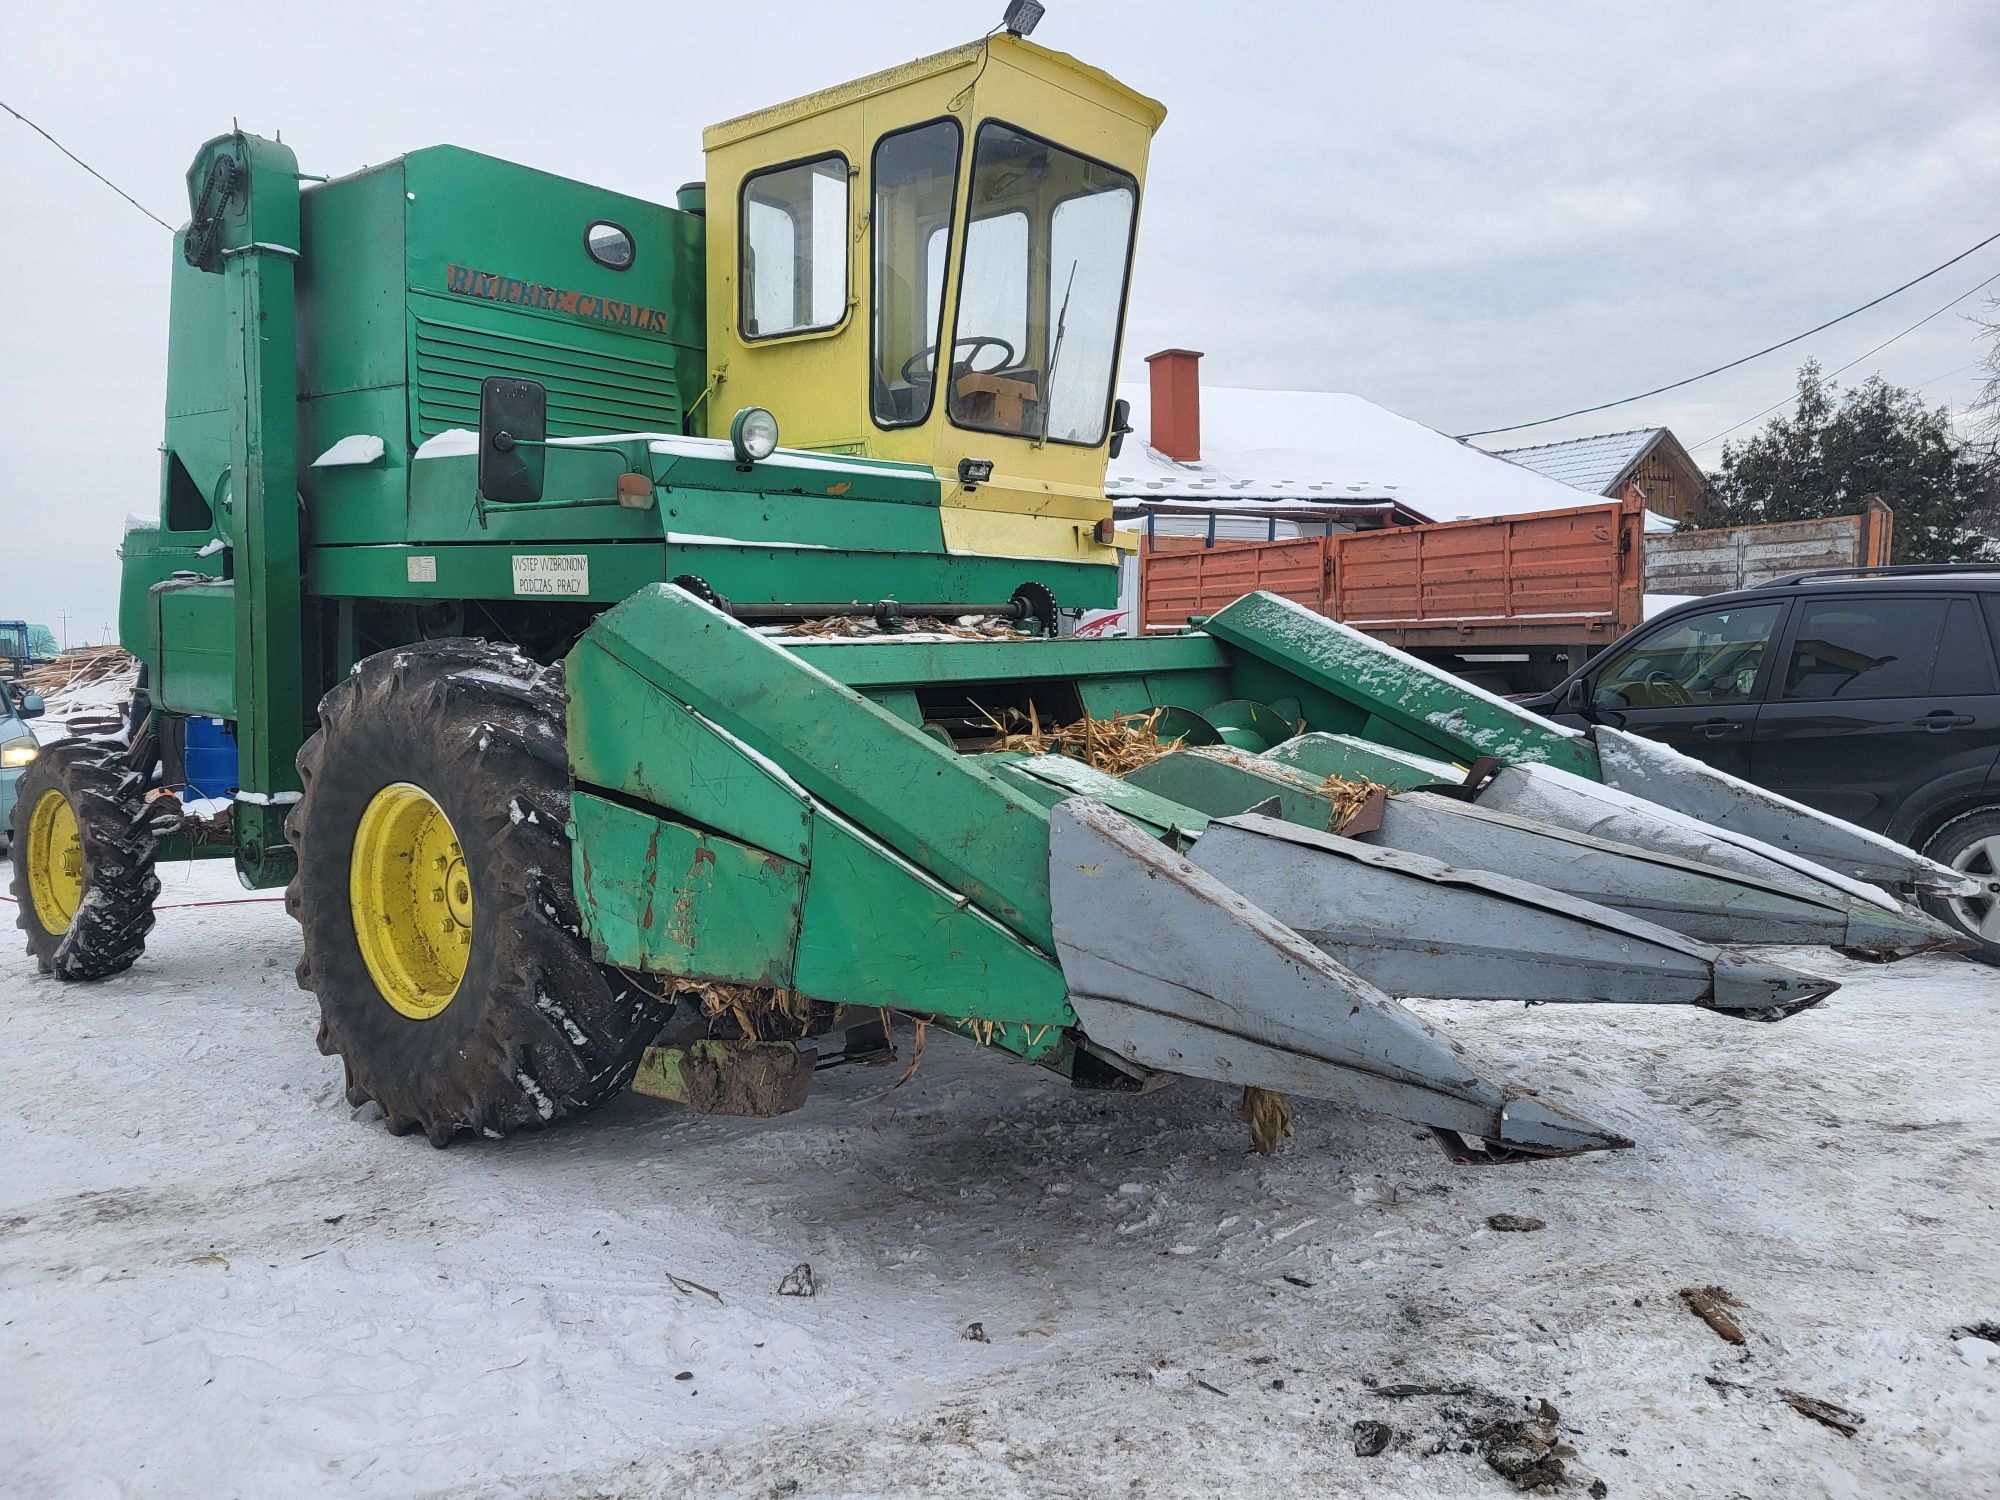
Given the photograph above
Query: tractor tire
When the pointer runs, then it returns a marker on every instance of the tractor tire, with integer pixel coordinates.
(532, 1030)
(1970, 842)
(83, 849)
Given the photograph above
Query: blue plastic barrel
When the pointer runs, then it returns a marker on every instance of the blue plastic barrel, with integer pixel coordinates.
(211, 758)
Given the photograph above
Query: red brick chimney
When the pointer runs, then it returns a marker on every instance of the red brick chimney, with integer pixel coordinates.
(1176, 418)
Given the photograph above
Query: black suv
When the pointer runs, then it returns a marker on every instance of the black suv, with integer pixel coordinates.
(1870, 693)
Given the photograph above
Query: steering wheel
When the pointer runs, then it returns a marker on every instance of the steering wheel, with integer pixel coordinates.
(923, 363)
(1668, 690)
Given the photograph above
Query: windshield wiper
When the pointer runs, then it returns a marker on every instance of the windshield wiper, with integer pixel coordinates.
(1055, 354)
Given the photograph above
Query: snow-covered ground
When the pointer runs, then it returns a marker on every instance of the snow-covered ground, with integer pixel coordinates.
(218, 1280)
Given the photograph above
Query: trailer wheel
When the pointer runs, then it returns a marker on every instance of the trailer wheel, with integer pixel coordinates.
(83, 852)
(441, 934)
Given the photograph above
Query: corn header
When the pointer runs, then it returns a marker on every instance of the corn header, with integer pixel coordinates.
(625, 618)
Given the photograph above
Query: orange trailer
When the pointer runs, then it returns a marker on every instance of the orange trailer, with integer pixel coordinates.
(1513, 601)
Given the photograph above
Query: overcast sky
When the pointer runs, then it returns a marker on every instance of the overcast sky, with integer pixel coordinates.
(1472, 211)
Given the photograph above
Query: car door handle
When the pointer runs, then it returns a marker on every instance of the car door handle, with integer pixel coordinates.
(1942, 718)
(1715, 728)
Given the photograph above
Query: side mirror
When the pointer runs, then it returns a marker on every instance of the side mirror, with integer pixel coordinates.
(1577, 697)
(32, 706)
(1121, 423)
(513, 432)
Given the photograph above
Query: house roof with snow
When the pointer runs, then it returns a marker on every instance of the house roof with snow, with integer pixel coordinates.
(1312, 450)
(1597, 464)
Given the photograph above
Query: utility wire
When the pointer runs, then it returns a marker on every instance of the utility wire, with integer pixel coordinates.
(1857, 360)
(86, 166)
(1924, 384)
(1582, 411)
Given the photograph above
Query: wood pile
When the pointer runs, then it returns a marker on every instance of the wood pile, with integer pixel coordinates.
(83, 667)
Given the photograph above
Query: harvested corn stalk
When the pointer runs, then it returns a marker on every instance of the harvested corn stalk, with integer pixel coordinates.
(1350, 800)
(966, 627)
(916, 1052)
(1269, 1118)
(1121, 743)
(916, 1057)
(1839, 1418)
(1711, 1304)
(756, 1009)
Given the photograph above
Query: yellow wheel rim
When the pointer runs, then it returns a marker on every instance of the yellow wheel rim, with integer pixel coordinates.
(55, 862)
(412, 900)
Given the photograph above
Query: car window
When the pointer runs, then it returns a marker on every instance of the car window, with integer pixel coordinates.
(1711, 657)
(1850, 648)
(1964, 659)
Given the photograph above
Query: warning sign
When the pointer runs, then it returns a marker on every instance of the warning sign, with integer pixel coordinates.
(551, 573)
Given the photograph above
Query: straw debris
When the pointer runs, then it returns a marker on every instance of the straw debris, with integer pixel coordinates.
(1268, 1116)
(751, 1006)
(1117, 745)
(1348, 799)
(965, 627)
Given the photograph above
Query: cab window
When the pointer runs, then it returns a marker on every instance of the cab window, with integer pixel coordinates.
(793, 271)
(1711, 657)
(1041, 290)
(994, 301)
(915, 187)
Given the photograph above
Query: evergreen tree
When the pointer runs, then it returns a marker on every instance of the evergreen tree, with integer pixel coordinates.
(1840, 446)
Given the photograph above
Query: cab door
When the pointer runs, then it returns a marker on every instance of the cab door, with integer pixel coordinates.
(1881, 696)
(1693, 680)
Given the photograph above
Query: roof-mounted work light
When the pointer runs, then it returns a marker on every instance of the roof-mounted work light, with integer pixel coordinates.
(1022, 17)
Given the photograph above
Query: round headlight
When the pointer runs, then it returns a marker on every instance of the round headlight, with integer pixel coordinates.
(753, 434)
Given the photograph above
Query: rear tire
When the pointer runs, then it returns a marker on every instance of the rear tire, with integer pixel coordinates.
(83, 878)
(1971, 842)
(534, 1031)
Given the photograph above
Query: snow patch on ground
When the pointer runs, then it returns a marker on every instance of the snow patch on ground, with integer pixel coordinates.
(218, 1279)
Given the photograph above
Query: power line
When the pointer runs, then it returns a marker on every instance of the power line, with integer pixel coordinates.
(1857, 360)
(1922, 384)
(86, 166)
(1582, 411)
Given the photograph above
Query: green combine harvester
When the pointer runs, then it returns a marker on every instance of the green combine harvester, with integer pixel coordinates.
(605, 739)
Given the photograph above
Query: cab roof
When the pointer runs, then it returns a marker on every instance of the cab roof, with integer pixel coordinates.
(1058, 68)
